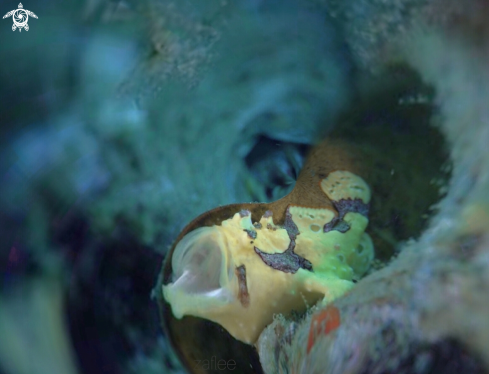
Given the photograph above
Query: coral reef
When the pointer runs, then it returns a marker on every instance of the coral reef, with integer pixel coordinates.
(123, 120)
(427, 310)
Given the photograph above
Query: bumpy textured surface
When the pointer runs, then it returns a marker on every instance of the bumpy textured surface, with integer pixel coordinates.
(127, 157)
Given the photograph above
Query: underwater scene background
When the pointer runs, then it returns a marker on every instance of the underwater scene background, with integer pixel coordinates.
(122, 121)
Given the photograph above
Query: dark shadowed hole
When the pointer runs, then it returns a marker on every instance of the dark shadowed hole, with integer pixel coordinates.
(275, 166)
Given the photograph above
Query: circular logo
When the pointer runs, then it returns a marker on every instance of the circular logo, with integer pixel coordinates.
(20, 18)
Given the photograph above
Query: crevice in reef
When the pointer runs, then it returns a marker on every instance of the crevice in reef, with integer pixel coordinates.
(408, 162)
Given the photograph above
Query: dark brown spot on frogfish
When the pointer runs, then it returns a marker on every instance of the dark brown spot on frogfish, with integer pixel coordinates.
(244, 213)
(287, 261)
(243, 295)
(251, 233)
(343, 207)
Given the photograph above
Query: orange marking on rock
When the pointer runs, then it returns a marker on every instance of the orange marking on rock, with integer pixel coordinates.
(329, 318)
